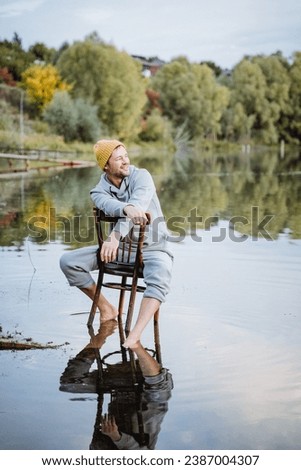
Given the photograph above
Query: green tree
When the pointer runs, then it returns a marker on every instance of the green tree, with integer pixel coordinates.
(88, 125)
(61, 115)
(275, 70)
(156, 128)
(59, 52)
(259, 99)
(189, 93)
(216, 68)
(294, 123)
(236, 124)
(109, 79)
(248, 90)
(41, 52)
(73, 119)
(14, 58)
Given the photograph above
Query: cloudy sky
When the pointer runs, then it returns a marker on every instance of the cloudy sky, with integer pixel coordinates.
(219, 30)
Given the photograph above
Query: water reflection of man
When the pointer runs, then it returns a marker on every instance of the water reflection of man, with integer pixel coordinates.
(153, 407)
(135, 413)
(78, 376)
(125, 190)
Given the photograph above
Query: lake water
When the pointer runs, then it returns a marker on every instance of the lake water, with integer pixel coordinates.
(230, 329)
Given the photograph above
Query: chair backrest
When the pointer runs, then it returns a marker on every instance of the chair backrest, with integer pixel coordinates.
(130, 247)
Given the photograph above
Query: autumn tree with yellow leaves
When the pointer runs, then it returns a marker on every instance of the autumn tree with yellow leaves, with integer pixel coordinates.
(41, 82)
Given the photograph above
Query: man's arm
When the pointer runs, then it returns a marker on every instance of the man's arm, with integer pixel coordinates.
(140, 199)
(106, 202)
(143, 191)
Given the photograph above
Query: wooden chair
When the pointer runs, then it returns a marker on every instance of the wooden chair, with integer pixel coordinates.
(128, 266)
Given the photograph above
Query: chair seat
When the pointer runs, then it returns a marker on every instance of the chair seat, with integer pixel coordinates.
(119, 268)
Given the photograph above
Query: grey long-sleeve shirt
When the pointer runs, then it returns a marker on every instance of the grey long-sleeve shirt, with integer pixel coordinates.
(137, 189)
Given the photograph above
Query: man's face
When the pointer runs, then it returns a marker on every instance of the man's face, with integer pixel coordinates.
(118, 164)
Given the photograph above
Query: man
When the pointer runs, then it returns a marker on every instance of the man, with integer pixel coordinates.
(125, 190)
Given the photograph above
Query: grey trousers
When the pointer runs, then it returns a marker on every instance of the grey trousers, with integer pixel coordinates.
(78, 264)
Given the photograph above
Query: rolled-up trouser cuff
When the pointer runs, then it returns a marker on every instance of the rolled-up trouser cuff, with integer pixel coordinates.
(78, 264)
(158, 388)
(157, 274)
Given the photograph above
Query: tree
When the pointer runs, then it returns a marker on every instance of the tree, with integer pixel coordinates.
(88, 125)
(259, 98)
(41, 82)
(236, 124)
(294, 124)
(59, 52)
(189, 93)
(109, 79)
(14, 58)
(61, 115)
(6, 77)
(73, 119)
(248, 91)
(216, 68)
(42, 53)
(156, 128)
(275, 70)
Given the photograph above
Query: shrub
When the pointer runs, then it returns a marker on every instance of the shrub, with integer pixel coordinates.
(88, 125)
(61, 115)
(156, 128)
(73, 119)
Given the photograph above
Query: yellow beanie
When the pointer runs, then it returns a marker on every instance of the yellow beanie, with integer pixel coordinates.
(103, 149)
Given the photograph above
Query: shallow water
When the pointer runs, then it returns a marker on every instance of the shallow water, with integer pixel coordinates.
(230, 330)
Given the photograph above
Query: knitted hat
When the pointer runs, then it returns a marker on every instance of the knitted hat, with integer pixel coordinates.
(103, 149)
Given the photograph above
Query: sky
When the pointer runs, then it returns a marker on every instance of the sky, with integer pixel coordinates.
(222, 31)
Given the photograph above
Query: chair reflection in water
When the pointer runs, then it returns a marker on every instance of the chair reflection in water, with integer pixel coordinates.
(137, 403)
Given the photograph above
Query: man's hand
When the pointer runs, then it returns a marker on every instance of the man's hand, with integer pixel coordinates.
(136, 215)
(109, 427)
(109, 248)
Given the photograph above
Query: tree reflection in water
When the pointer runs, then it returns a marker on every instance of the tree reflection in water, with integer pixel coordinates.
(138, 389)
(219, 186)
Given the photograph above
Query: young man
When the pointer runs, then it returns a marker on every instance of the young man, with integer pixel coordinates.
(125, 190)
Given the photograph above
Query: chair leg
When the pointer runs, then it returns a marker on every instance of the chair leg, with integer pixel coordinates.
(120, 324)
(95, 300)
(128, 324)
(131, 308)
(133, 367)
(157, 337)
